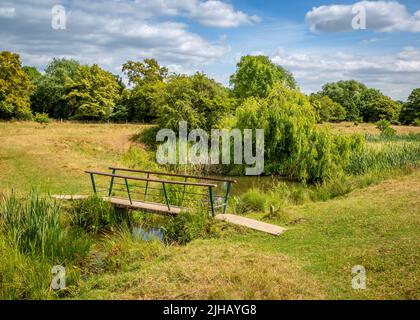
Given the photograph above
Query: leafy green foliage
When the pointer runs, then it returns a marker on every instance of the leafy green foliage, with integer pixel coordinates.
(252, 201)
(361, 102)
(49, 95)
(410, 113)
(95, 215)
(200, 101)
(326, 109)
(143, 72)
(385, 127)
(188, 226)
(33, 74)
(348, 94)
(256, 76)
(143, 101)
(41, 118)
(376, 106)
(294, 146)
(15, 88)
(93, 93)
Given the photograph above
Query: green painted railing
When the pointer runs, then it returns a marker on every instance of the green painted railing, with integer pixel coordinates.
(129, 185)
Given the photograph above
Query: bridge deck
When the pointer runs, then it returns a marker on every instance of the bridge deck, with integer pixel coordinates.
(125, 203)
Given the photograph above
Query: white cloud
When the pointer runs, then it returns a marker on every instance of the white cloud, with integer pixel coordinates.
(213, 13)
(7, 12)
(396, 75)
(219, 14)
(108, 32)
(381, 16)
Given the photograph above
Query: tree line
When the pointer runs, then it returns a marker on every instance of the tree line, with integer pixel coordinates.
(68, 89)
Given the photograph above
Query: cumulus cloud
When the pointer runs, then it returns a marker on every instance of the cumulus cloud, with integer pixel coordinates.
(396, 75)
(381, 16)
(219, 14)
(110, 32)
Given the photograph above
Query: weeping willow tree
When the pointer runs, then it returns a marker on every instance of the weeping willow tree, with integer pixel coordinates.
(294, 146)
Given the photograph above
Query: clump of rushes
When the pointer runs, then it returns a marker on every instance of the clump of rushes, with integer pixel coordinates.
(95, 215)
(33, 226)
(253, 200)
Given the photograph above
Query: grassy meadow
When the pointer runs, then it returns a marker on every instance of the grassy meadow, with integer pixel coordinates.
(370, 217)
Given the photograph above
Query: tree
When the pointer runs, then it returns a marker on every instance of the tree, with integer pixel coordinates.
(327, 109)
(32, 73)
(410, 111)
(139, 73)
(15, 88)
(256, 75)
(293, 145)
(200, 101)
(93, 93)
(348, 94)
(51, 88)
(143, 100)
(376, 106)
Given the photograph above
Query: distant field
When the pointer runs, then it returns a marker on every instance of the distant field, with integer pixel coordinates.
(350, 127)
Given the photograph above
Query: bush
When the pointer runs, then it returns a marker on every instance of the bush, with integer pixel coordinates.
(252, 201)
(41, 118)
(385, 127)
(188, 226)
(95, 215)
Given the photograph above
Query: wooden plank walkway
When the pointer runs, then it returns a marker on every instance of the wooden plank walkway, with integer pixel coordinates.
(125, 203)
(251, 223)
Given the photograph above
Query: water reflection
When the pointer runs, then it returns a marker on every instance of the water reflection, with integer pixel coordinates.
(149, 234)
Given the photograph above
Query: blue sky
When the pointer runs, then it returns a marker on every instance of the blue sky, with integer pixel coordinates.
(313, 39)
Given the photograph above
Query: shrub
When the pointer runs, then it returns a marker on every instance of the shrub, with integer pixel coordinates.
(385, 127)
(188, 226)
(41, 118)
(95, 215)
(252, 201)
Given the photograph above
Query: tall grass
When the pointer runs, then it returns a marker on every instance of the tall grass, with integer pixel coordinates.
(385, 156)
(94, 215)
(34, 237)
(33, 226)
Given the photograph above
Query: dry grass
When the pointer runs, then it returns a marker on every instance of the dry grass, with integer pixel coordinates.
(363, 128)
(55, 156)
(211, 270)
